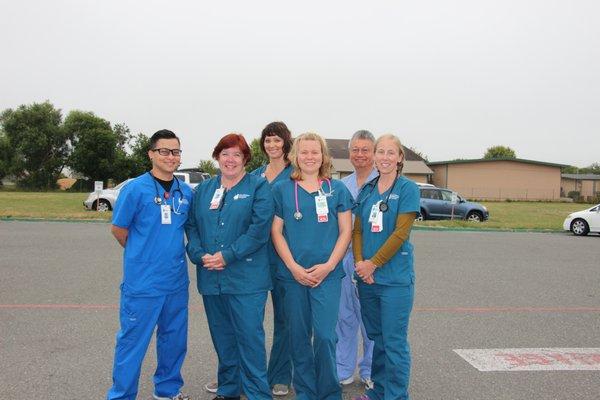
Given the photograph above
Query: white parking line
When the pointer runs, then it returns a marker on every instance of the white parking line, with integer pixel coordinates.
(539, 359)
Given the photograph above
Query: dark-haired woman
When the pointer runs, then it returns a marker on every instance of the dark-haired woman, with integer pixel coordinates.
(226, 240)
(276, 143)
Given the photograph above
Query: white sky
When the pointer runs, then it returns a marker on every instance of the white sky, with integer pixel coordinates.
(450, 78)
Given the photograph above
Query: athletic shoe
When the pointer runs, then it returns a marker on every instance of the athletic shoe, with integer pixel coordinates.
(178, 396)
(280, 390)
(211, 387)
(347, 381)
(368, 382)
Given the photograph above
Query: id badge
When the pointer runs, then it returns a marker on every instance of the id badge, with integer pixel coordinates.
(322, 208)
(165, 214)
(377, 224)
(374, 211)
(216, 199)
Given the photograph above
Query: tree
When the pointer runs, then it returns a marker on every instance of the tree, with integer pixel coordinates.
(39, 144)
(499, 152)
(208, 166)
(94, 145)
(5, 156)
(258, 157)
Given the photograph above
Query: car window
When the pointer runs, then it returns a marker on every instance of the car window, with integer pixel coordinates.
(595, 209)
(196, 177)
(430, 194)
(446, 195)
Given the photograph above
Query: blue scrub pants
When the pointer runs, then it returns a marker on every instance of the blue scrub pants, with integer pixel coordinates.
(312, 316)
(279, 370)
(385, 312)
(348, 324)
(235, 322)
(139, 316)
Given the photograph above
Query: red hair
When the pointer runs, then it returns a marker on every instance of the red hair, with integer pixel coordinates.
(232, 140)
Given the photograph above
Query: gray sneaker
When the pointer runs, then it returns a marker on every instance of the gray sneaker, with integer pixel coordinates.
(178, 396)
(280, 390)
(211, 387)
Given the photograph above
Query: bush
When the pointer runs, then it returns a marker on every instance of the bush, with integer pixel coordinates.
(574, 194)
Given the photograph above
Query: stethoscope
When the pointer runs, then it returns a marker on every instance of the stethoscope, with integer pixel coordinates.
(298, 214)
(383, 206)
(158, 200)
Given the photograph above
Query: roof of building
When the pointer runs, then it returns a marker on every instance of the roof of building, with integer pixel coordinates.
(582, 177)
(339, 149)
(478, 160)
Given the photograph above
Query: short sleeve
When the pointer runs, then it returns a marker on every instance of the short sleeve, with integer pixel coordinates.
(126, 206)
(345, 200)
(410, 198)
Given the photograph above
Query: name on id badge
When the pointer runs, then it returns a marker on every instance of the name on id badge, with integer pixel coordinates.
(377, 223)
(165, 214)
(322, 208)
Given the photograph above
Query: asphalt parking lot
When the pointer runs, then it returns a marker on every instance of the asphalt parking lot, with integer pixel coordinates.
(475, 290)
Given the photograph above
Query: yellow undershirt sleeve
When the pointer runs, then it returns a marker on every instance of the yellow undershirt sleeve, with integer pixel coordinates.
(357, 240)
(404, 224)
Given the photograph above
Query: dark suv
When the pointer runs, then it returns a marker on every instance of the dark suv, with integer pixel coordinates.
(437, 203)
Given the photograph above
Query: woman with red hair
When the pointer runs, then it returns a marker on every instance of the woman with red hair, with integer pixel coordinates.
(226, 240)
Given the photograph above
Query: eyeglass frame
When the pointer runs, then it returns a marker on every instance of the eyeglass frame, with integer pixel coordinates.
(169, 151)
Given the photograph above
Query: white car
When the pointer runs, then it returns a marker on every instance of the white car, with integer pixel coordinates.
(105, 200)
(583, 222)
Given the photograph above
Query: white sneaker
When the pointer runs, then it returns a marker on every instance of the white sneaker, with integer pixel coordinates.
(368, 382)
(280, 390)
(178, 396)
(211, 387)
(347, 381)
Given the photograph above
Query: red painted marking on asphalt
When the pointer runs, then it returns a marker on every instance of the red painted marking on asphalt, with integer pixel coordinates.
(533, 359)
(465, 310)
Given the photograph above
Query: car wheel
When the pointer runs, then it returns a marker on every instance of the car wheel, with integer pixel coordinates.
(474, 216)
(422, 216)
(103, 206)
(579, 227)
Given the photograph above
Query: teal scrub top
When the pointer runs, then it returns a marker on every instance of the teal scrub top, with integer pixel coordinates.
(405, 198)
(310, 242)
(240, 229)
(283, 176)
(154, 262)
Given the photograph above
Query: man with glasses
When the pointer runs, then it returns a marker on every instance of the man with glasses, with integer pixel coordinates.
(362, 151)
(148, 221)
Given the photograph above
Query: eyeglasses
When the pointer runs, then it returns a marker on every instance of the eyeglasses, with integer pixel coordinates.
(165, 152)
(364, 150)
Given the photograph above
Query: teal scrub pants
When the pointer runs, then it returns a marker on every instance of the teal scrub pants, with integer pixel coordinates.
(139, 316)
(385, 311)
(235, 322)
(312, 317)
(279, 370)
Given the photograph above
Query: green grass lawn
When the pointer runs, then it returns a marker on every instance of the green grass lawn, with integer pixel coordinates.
(503, 215)
(50, 205)
(518, 215)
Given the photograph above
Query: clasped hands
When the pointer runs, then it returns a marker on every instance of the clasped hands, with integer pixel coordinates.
(312, 276)
(213, 262)
(365, 270)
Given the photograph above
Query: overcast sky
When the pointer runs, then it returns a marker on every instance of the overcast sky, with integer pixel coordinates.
(450, 78)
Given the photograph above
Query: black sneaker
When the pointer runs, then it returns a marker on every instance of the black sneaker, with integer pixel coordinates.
(219, 397)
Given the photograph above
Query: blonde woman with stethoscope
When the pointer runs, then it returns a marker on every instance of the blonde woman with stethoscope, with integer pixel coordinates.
(311, 232)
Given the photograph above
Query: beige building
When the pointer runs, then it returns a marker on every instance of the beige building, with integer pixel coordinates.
(588, 185)
(499, 179)
(415, 167)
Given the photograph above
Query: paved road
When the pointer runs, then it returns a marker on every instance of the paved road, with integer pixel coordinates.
(58, 315)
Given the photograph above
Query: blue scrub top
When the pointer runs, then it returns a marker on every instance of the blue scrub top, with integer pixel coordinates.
(239, 229)
(154, 262)
(310, 242)
(405, 198)
(284, 175)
